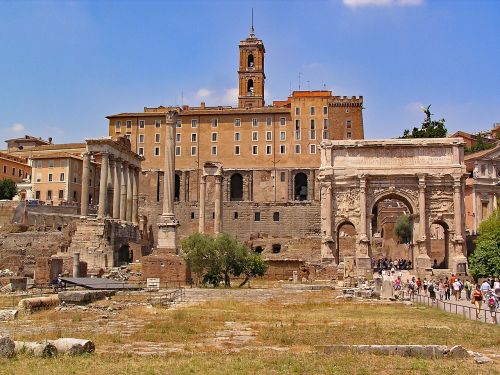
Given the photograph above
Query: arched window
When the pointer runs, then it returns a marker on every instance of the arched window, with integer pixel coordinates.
(236, 186)
(250, 61)
(250, 87)
(300, 187)
(177, 193)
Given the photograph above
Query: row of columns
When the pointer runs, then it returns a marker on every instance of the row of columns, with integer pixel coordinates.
(217, 201)
(123, 179)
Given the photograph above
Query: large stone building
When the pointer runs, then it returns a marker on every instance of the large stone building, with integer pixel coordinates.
(268, 157)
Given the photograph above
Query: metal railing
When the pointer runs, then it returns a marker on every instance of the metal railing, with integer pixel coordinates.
(468, 312)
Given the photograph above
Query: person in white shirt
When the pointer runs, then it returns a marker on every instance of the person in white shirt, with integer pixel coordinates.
(485, 287)
(456, 289)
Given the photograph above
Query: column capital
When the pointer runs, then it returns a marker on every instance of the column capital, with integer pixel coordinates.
(171, 117)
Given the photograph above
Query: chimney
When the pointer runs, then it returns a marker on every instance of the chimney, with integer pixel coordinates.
(202, 104)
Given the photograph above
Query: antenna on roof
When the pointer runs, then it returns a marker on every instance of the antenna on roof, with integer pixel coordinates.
(252, 29)
(299, 79)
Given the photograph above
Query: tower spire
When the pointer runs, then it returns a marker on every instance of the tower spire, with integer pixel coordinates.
(252, 31)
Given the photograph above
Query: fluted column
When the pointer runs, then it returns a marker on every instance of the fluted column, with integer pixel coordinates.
(421, 208)
(362, 207)
(103, 186)
(218, 205)
(109, 185)
(130, 182)
(123, 197)
(84, 201)
(327, 242)
(203, 192)
(457, 205)
(135, 197)
(117, 188)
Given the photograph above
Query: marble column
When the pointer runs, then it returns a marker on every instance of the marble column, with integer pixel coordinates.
(123, 198)
(135, 197)
(362, 207)
(109, 186)
(327, 242)
(130, 182)
(422, 260)
(103, 186)
(203, 192)
(84, 201)
(363, 259)
(117, 176)
(218, 205)
(457, 206)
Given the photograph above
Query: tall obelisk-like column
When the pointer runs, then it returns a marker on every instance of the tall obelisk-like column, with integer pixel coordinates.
(167, 224)
(218, 204)
(103, 186)
(84, 200)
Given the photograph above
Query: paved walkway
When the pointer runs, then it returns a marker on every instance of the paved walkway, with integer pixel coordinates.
(460, 307)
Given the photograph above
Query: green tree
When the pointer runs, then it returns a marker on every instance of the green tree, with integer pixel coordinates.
(402, 229)
(217, 259)
(7, 189)
(429, 128)
(479, 145)
(485, 261)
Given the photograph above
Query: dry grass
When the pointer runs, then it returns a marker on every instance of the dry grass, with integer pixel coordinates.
(285, 330)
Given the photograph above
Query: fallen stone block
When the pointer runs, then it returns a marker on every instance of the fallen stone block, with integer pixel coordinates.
(421, 351)
(458, 351)
(7, 347)
(28, 305)
(482, 359)
(84, 296)
(8, 314)
(35, 348)
(73, 346)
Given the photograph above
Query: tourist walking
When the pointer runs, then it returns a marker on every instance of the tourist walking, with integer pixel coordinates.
(432, 292)
(485, 287)
(456, 289)
(447, 289)
(492, 301)
(419, 285)
(477, 300)
(441, 289)
(426, 285)
(468, 289)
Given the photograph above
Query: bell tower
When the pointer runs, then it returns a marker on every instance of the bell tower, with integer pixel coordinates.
(251, 72)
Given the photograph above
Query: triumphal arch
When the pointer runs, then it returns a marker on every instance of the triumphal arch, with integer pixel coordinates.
(422, 179)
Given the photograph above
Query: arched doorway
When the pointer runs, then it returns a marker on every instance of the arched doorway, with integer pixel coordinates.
(124, 255)
(236, 187)
(300, 187)
(439, 248)
(177, 193)
(392, 230)
(346, 241)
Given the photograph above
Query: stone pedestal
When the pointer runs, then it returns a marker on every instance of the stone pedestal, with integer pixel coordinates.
(167, 235)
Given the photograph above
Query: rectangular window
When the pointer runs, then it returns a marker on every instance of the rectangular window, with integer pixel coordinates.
(283, 149)
(237, 122)
(61, 177)
(158, 123)
(297, 111)
(177, 150)
(282, 176)
(177, 137)
(194, 123)
(325, 124)
(269, 150)
(297, 149)
(348, 123)
(141, 151)
(269, 136)
(326, 134)
(49, 195)
(37, 194)
(255, 150)
(312, 149)
(237, 150)
(282, 136)
(312, 135)
(61, 194)
(255, 122)
(313, 125)
(13, 171)
(214, 137)
(215, 123)
(141, 138)
(325, 110)
(312, 111)
(349, 135)
(193, 137)
(297, 135)
(129, 124)
(142, 124)
(51, 163)
(237, 137)
(269, 121)
(178, 124)
(157, 151)
(193, 150)
(257, 216)
(118, 126)
(214, 150)
(50, 177)
(157, 138)
(39, 164)
(297, 124)
(283, 121)
(255, 136)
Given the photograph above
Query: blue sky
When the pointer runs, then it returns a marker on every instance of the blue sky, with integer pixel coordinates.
(65, 65)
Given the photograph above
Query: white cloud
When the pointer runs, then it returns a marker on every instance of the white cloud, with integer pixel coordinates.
(17, 127)
(364, 3)
(230, 96)
(204, 93)
(415, 106)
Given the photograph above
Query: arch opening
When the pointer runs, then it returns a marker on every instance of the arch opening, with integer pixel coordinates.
(300, 187)
(250, 87)
(124, 256)
(250, 61)
(439, 247)
(236, 187)
(346, 241)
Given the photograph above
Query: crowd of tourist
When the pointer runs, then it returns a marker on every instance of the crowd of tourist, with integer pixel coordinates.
(385, 264)
(487, 292)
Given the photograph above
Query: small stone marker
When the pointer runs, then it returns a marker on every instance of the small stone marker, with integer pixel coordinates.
(153, 283)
